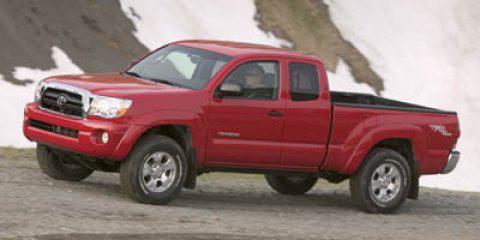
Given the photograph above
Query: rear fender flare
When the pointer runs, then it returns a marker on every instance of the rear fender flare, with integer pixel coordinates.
(377, 134)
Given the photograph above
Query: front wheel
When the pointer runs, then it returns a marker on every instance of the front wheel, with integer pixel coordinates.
(155, 171)
(291, 185)
(59, 165)
(382, 183)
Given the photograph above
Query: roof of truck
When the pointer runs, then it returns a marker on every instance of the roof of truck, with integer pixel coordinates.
(239, 48)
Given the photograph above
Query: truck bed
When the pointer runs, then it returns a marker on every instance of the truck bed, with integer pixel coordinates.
(361, 120)
(371, 101)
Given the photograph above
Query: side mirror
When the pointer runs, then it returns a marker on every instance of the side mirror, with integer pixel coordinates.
(229, 89)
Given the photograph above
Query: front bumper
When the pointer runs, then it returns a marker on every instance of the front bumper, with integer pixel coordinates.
(122, 136)
(452, 162)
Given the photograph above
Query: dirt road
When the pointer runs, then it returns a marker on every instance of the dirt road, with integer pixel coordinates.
(224, 206)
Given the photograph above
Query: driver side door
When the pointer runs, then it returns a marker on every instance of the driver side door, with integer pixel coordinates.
(246, 130)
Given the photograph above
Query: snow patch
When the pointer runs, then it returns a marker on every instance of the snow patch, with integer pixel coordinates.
(342, 80)
(62, 61)
(161, 22)
(15, 97)
(427, 52)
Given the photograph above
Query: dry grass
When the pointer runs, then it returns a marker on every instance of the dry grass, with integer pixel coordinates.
(12, 153)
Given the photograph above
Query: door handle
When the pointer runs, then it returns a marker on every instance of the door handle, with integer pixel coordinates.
(275, 113)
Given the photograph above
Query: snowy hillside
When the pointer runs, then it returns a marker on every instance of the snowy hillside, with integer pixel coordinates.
(15, 97)
(160, 22)
(424, 50)
(427, 52)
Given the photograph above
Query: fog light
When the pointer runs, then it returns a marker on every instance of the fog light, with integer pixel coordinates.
(104, 137)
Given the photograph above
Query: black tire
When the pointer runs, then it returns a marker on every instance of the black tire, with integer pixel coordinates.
(59, 166)
(367, 197)
(132, 179)
(291, 185)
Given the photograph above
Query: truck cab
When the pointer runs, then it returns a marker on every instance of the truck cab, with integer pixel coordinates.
(193, 107)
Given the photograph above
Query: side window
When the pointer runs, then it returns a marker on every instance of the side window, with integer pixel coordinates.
(257, 80)
(303, 81)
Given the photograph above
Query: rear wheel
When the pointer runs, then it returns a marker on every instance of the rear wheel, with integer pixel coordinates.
(60, 166)
(291, 185)
(382, 183)
(155, 171)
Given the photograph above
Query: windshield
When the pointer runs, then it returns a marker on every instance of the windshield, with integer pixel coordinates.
(180, 66)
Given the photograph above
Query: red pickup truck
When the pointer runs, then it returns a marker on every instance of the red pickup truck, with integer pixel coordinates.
(193, 107)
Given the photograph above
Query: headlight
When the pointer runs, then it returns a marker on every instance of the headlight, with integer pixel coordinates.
(108, 107)
(38, 91)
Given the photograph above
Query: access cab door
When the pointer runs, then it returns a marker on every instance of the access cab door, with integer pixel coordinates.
(245, 130)
(307, 116)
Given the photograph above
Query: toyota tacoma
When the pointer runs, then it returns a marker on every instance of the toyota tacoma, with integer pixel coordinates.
(197, 106)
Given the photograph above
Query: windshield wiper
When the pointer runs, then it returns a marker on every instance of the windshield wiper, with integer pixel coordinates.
(166, 82)
(133, 74)
(154, 79)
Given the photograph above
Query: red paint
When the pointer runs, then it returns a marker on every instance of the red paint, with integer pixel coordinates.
(304, 138)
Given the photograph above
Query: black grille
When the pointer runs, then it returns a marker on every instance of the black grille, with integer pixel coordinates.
(72, 106)
(53, 128)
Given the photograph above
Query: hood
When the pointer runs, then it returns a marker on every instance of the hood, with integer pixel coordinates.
(147, 96)
(113, 84)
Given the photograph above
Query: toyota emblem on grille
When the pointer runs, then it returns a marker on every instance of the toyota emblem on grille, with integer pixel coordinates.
(61, 100)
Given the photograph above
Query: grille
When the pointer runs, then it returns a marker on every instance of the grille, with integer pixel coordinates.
(53, 128)
(62, 101)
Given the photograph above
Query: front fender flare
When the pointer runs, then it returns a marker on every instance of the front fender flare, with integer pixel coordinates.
(175, 117)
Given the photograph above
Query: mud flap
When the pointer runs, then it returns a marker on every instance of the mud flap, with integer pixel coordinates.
(191, 180)
(415, 186)
(414, 189)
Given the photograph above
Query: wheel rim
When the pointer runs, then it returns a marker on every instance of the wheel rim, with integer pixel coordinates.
(386, 182)
(158, 171)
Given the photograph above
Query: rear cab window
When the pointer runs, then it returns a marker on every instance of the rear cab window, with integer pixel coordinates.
(303, 79)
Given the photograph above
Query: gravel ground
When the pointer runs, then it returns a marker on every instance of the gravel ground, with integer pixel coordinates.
(223, 206)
